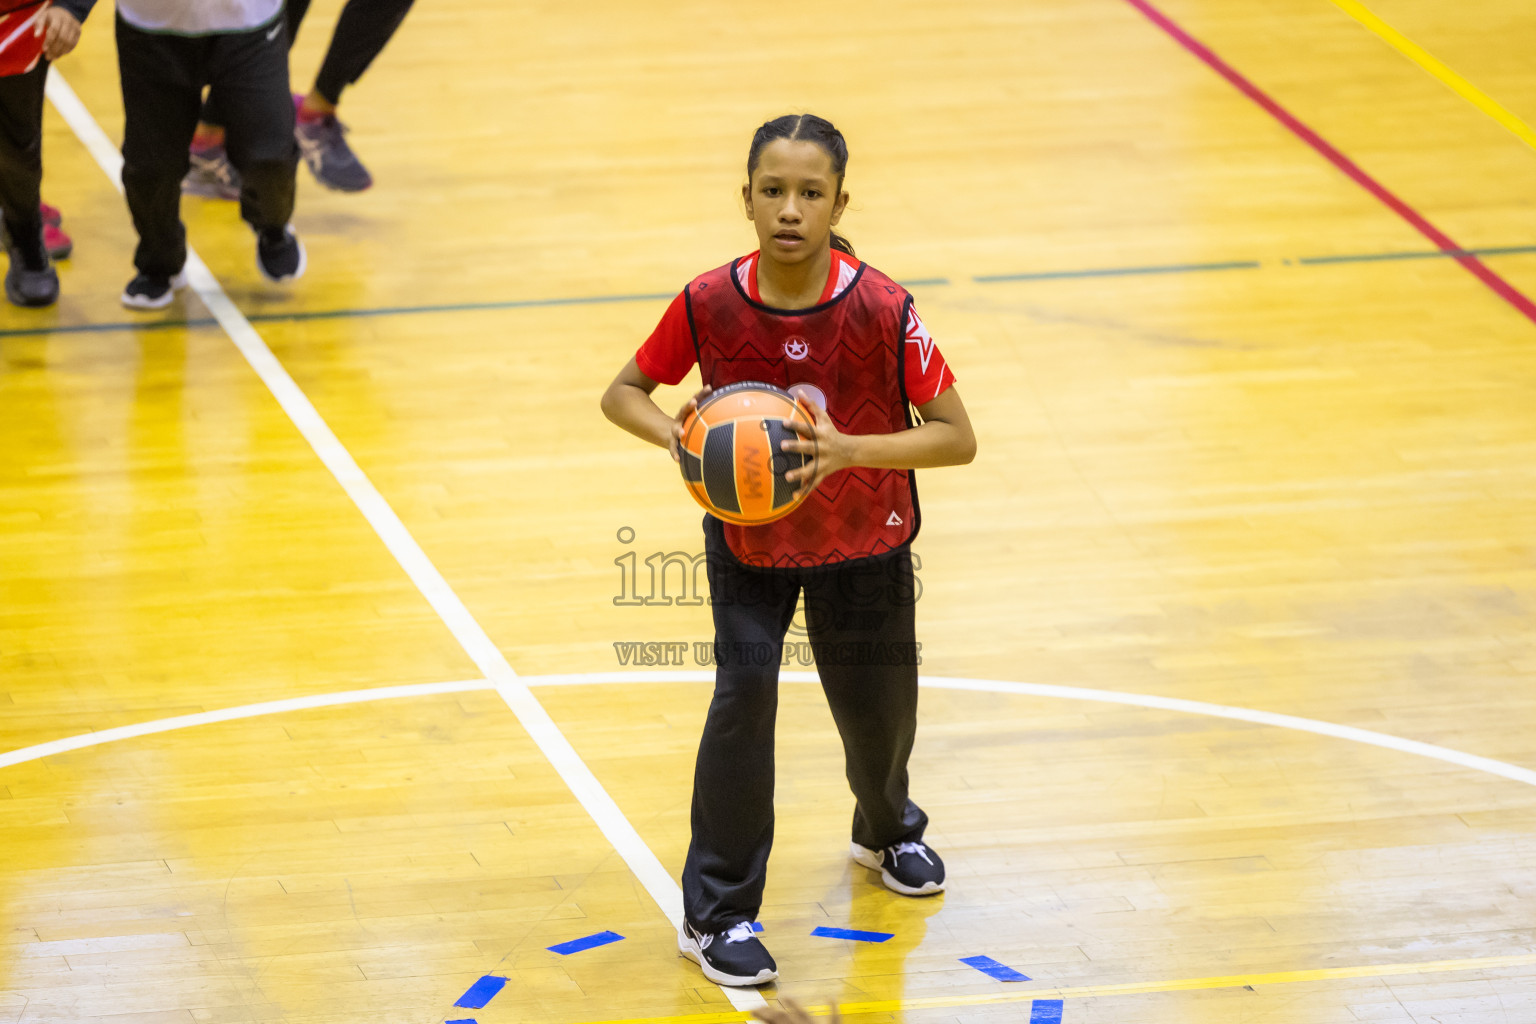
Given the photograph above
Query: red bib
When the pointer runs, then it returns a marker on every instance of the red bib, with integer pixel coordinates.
(20, 47)
(846, 354)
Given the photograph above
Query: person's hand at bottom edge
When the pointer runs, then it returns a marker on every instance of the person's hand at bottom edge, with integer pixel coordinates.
(790, 1012)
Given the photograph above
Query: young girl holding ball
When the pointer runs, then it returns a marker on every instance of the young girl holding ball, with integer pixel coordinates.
(803, 313)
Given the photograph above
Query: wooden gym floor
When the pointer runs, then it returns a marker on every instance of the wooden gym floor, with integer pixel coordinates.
(1250, 439)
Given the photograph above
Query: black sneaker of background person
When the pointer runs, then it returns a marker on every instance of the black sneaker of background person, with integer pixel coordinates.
(31, 279)
(150, 291)
(732, 957)
(280, 255)
(912, 869)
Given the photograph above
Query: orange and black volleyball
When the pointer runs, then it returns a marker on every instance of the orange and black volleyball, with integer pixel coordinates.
(731, 456)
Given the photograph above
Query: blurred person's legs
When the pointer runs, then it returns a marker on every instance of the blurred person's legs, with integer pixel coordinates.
(162, 80)
(362, 31)
(249, 71)
(163, 77)
(30, 279)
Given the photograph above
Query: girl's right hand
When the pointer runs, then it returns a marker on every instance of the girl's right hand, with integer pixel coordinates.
(682, 414)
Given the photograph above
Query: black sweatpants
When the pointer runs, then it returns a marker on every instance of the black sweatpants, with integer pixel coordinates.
(861, 622)
(163, 79)
(362, 31)
(21, 150)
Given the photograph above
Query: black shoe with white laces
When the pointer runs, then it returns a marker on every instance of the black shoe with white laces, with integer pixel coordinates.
(151, 291)
(280, 255)
(912, 869)
(732, 957)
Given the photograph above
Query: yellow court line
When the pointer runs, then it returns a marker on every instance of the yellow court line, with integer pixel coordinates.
(1487, 963)
(1424, 59)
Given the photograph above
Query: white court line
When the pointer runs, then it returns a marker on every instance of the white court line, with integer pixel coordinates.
(1200, 707)
(1141, 700)
(468, 632)
(270, 707)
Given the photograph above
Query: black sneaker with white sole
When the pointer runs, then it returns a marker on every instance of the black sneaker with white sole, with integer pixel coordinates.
(280, 255)
(732, 957)
(912, 869)
(151, 291)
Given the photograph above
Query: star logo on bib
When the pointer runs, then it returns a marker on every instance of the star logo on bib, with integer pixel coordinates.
(796, 349)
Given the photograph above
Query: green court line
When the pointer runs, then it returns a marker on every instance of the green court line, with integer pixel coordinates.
(593, 300)
(1166, 268)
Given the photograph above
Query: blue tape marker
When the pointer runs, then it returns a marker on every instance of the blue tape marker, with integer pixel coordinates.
(481, 992)
(1045, 1011)
(849, 933)
(467, 1020)
(986, 965)
(756, 927)
(587, 942)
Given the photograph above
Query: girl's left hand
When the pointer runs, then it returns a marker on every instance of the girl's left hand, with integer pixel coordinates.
(830, 450)
(60, 32)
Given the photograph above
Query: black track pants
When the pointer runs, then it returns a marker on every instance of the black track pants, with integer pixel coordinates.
(21, 149)
(163, 79)
(362, 31)
(861, 623)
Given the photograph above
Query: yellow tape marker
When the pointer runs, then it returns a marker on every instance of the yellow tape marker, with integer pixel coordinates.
(1424, 59)
(892, 1006)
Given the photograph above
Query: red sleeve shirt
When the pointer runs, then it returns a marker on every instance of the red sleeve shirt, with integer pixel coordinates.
(927, 374)
(668, 354)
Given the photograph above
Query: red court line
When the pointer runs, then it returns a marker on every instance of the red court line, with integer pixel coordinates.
(1508, 292)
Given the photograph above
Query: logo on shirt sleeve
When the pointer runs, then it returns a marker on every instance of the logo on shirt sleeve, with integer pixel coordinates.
(917, 334)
